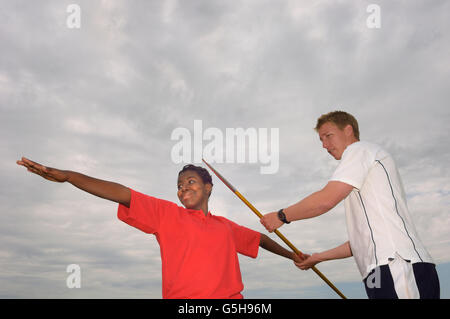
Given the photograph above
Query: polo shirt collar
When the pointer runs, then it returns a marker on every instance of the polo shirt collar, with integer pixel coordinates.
(198, 212)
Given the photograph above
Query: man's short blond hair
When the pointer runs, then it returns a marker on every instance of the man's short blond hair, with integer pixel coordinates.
(341, 119)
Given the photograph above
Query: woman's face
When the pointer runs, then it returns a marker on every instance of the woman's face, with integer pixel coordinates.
(192, 192)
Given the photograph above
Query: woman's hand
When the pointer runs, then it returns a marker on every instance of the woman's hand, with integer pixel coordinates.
(49, 173)
(308, 262)
(298, 258)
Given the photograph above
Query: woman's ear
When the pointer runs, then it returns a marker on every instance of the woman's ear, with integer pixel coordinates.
(208, 187)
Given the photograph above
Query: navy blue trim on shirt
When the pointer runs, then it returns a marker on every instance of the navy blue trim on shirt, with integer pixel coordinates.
(371, 233)
(396, 209)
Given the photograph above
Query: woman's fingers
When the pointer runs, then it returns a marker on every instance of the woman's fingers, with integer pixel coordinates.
(49, 173)
(34, 170)
(306, 263)
(32, 166)
(20, 162)
(24, 162)
(27, 162)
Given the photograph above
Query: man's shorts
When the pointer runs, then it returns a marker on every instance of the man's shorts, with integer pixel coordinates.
(400, 279)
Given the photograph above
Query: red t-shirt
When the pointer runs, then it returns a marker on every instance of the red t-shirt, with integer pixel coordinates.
(198, 252)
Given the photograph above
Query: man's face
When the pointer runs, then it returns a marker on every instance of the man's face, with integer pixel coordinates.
(192, 192)
(335, 140)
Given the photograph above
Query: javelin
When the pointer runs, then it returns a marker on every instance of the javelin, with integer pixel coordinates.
(298, 252)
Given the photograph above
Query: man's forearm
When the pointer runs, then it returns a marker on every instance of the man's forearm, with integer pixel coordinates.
(339, 252)
(342, 251)
(309, 207)
(319, 202)
(104, 189)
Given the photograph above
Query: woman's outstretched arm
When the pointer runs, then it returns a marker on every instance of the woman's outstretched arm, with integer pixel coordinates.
(104, 189)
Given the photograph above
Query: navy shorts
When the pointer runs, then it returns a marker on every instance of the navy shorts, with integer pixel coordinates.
(381, 285)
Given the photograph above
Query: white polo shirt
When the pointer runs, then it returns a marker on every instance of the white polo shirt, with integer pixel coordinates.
(378, 221)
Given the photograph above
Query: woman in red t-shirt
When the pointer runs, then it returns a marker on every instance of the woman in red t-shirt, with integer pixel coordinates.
(198, 250)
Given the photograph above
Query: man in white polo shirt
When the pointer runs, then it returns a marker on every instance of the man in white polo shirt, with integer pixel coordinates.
(391, 258)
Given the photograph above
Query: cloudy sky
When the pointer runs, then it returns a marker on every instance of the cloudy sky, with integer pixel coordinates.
(104, 99)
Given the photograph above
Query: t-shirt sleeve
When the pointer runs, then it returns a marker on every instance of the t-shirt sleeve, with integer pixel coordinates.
(145, 213)
(245, 239)
(354, 167)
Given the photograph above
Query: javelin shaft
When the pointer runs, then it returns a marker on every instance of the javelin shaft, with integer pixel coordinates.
(284, 239)
(261, 216)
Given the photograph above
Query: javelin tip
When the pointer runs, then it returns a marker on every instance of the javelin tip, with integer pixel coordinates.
(228, 184)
